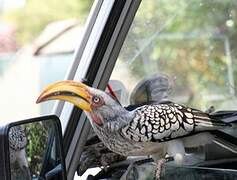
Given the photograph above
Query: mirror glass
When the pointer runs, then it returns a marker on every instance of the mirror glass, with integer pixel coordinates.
(34, 151)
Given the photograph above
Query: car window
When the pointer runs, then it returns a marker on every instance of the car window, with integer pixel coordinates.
(189, 46)
(37, 42)
(182, 51)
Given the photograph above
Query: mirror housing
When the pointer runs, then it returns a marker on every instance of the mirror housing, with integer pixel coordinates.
(33, 146)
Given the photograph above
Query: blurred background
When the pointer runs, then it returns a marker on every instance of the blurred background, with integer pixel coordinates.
(194, 42)
(37, 41)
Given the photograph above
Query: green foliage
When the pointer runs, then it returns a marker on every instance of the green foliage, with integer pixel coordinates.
(35, 15)
(185, 40)
(37, 141)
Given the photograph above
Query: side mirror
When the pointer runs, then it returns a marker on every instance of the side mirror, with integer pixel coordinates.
(32, 149)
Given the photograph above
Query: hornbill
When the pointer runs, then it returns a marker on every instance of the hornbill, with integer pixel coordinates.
(17, 148)
(153, 129)
(156, 87)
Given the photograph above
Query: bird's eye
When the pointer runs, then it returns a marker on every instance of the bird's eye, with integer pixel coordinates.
(96, 99)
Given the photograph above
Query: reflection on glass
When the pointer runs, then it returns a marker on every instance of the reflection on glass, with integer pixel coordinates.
(193, 42)
(33, 151)
(193, 45)
(18, 157)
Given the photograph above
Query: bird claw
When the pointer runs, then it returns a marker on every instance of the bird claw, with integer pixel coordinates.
(159, 168)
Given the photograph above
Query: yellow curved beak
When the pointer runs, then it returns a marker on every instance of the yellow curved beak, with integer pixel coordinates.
(76, 93)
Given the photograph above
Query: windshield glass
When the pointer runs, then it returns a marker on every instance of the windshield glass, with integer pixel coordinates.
(37, 41)
(191, 44)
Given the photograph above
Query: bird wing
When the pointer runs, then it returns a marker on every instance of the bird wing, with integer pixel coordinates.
(167, 121)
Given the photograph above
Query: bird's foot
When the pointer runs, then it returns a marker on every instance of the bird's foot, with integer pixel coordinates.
(160, 166)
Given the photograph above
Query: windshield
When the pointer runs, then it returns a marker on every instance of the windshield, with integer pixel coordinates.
(37, 42)
(192, 44)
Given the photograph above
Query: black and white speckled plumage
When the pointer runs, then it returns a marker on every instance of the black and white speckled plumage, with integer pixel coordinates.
(152, 129)
(17, 138)
(17, 151)
(164, 122)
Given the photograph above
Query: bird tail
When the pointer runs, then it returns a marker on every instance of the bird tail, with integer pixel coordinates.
(226, 138)
(225, 116)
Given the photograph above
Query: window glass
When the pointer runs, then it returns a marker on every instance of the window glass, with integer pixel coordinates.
(37, 41)
(184, 51)
(193, 43)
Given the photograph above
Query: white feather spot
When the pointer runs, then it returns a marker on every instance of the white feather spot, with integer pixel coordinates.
(155, 131)
(162, 128)
(167, 126)
(190, 121)
(159, 110)
(178, 112)
(173, 119)
(149, 128)
(155, 126)
(143, 130)
(175, 126)
(146, 123)
(142, 118)
(134, 125)
(188, 127)
(188, 115)
(171, 115)
(162, 122)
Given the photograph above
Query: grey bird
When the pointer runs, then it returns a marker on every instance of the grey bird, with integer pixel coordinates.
(150, 129)
(155, 88)
(17, 148)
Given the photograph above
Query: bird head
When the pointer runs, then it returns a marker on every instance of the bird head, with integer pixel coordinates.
(98, 105)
